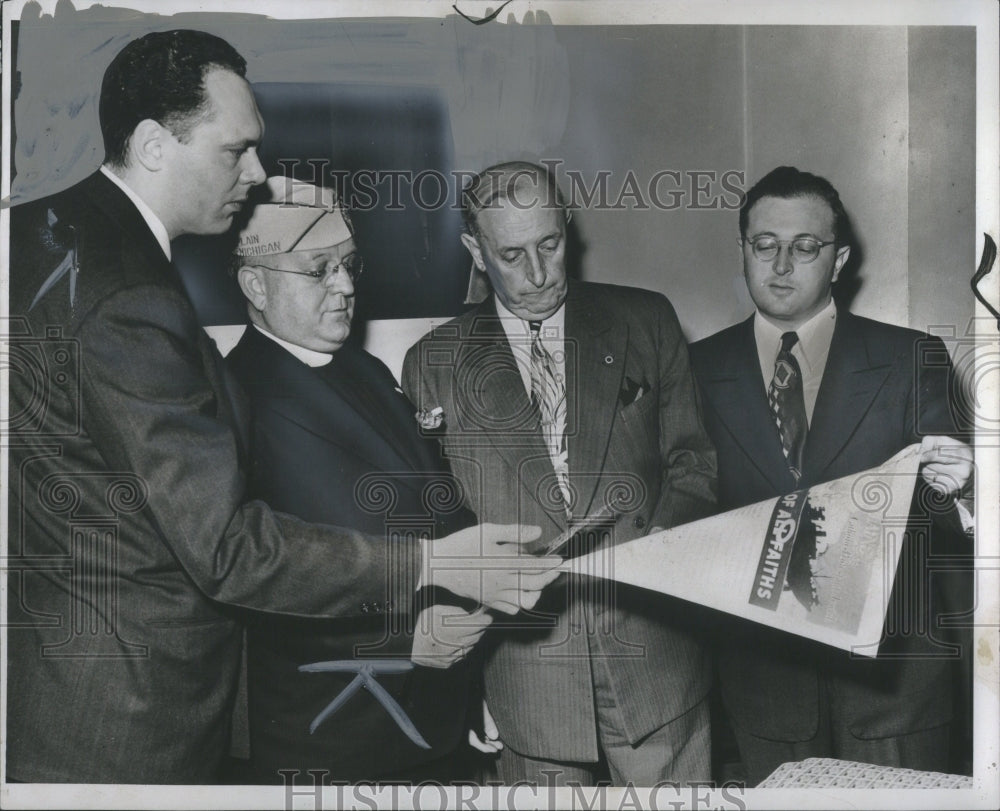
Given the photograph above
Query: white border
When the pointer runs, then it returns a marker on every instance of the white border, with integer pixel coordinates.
(983, 14)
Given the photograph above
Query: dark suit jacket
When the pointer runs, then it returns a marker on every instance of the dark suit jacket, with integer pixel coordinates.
(130, 532)
(883, 388)
(340, 443)
(649, 456)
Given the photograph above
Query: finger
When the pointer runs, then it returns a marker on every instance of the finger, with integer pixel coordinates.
(528, 601)
(511, 533)
(474, 620)
(467, 639)
(489, 725)
(503, 606)
(489, 747)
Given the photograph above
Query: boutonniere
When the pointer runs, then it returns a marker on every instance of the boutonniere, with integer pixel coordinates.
(429, 420)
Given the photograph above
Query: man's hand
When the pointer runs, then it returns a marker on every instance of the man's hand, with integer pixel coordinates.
(444, 634)
(946, 463)
(485, 564)
(490, 741)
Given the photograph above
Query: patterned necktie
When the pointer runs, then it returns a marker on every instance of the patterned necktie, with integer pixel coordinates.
(788, 404)
(548, 395)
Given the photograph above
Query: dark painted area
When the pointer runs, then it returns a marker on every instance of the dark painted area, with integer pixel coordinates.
(354, 138)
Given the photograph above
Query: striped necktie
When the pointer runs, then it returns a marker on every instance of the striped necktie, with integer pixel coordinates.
(788, 404)
(548, 395)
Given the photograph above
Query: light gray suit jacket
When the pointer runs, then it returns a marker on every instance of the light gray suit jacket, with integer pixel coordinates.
(647, 455)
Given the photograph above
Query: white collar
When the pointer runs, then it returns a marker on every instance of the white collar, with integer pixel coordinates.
(310, 357)
(155, 224)
(517, 328)
(815, 336)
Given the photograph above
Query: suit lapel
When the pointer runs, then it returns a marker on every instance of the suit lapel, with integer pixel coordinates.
(232, 405)
(116, 205)
(489, 387)
(596, 350)
(851, 381)
(735, 389)
(318, 402)
(360, 381)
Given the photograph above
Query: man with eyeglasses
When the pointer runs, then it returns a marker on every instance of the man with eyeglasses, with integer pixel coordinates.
(334, 439)
(800, 393)
(132, 540)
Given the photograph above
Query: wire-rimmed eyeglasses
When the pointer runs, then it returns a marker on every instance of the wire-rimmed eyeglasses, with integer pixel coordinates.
(353, 265)
(803, 249)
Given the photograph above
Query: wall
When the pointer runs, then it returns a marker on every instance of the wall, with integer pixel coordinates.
(886, 113)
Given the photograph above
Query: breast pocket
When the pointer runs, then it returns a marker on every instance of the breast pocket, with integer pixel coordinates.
(637, 412)
(635, 439)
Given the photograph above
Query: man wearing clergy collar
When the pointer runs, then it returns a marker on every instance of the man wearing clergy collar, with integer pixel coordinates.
(803, 392)
(333, 439)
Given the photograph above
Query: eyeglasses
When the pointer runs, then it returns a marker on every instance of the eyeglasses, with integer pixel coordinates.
(352, 264)
(803, 249)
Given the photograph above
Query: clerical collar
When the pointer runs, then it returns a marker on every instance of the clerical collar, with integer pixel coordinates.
(155, 224)
(310, 357)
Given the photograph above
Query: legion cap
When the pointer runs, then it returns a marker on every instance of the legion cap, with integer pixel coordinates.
(292, 215)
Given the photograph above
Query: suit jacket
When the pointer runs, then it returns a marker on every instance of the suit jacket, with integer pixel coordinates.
(130, 531)
(340, 443)
(884, 387)
(647, 455)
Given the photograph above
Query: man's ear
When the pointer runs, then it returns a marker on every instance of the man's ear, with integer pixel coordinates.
(843, 254)
(472, 246)
(148, 143)
(253, 287)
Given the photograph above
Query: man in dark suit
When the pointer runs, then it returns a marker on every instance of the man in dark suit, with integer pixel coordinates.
(131, 536)
(800, 393)
(334, 438)
(563, 401)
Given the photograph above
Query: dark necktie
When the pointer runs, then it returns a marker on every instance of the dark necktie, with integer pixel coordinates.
(788, 404)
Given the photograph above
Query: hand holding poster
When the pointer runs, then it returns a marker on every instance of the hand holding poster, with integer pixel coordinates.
(818, 562)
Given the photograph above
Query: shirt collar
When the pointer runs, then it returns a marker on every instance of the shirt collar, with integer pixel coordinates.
(155, 224)
(517, 329)
(310, 357)
(815, 335)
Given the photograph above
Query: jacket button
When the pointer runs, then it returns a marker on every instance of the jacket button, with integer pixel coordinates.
(639, 522)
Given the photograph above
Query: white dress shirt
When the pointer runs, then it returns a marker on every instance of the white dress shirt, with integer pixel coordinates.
(811, 350)
(155, 224)
(551, 334)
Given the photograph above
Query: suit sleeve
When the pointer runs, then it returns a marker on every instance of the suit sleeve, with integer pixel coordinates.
(688, 486)
(412, 381)
(938, 401)
(150, 410)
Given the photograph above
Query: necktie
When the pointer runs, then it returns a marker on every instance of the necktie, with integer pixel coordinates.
(548, 394)
(788, 404)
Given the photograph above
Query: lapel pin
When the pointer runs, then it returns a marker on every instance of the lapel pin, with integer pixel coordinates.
(608, 360)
